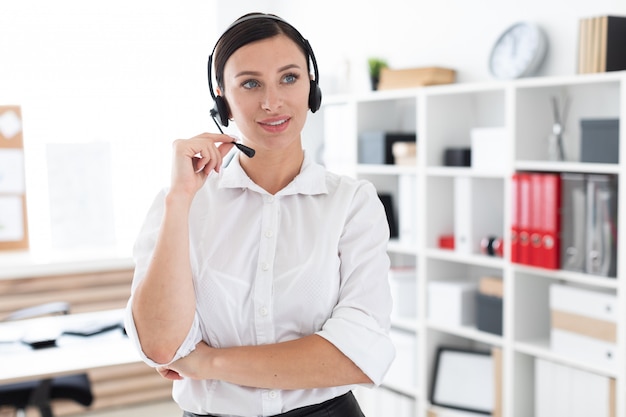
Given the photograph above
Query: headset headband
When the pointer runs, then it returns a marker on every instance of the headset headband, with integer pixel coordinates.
(305, 42)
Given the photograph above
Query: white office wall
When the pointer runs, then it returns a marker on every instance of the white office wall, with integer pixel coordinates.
(130, 73)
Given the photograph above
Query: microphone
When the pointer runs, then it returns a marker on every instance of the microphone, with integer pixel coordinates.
(246, 150)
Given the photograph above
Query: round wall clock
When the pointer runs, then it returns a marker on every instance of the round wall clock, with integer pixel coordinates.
(518, 52)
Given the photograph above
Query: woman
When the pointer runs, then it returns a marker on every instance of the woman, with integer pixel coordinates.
(261, 287)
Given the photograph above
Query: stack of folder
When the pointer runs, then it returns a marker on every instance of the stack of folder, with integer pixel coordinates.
(536, 220)
(601, 44)
(565, 221)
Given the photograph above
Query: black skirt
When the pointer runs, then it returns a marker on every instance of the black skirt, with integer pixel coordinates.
(343, 406)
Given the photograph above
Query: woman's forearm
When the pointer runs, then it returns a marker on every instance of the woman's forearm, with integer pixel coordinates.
(164, 302)
(309, 362)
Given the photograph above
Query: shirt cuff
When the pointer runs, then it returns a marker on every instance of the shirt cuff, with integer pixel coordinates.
(189, 344)
(359, 337)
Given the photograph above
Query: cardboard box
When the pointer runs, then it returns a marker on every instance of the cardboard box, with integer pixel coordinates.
(452, 303)
(415, 77)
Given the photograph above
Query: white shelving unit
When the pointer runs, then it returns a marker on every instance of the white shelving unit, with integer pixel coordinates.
(442, 117)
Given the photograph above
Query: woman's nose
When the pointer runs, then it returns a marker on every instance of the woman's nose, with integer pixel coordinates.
(272, 99)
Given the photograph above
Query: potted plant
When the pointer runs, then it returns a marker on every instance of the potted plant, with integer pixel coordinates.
(375, 65)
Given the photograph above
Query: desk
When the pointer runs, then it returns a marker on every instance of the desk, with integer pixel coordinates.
(73, 354)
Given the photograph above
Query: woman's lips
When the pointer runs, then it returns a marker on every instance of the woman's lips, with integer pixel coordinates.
(275, 125)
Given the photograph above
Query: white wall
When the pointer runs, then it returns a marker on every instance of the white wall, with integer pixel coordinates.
(133, 73)
(130, 73)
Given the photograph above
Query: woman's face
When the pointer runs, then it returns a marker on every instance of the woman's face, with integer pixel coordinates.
(267, 88)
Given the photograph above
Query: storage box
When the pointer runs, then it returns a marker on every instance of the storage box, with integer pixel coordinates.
(376, 147)
(599, 140)
(414, 77)
(489, 313)
(489, 150)
(584, 324)
(563, 391)
(403, 283)
(489, 303)
(452, 302)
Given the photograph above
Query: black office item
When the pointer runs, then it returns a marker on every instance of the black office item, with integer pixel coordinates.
(463, 379)
(599, 140)
(457, 157)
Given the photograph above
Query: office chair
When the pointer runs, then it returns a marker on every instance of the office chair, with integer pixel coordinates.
(39, 394)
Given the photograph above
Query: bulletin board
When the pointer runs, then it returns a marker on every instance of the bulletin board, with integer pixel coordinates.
(13, 219)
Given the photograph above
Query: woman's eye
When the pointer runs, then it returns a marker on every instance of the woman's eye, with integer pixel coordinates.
(290, 78)
(250, 84)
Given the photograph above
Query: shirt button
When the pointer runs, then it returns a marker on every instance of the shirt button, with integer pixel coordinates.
(273, 394)
(263, 311)
(265, 266)
(269, 198)
(269, 233)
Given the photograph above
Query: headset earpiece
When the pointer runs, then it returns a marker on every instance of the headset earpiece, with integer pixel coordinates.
(221, 110)
(315, 97)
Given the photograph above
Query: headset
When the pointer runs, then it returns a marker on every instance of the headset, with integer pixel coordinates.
(220, 110)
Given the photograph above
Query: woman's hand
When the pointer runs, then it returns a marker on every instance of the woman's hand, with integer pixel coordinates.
(188, 367)
(195, 158)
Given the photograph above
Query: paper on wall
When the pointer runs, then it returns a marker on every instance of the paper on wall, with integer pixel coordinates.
(12, 171)
(11, 218)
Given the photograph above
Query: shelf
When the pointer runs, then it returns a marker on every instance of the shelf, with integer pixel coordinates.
(471, 204)
(454, 172)
(386, 169)
(405, 324)
(549, 166)
(453, 256)
(468, 332)
(397, 246)
(410, 392)
(540, 348)
(575, 277)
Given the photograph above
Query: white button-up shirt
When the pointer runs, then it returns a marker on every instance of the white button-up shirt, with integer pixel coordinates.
(272, 268)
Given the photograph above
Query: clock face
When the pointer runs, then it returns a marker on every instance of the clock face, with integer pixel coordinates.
(518, 52)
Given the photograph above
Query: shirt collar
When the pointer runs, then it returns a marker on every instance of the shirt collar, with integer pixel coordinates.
(310, 181)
